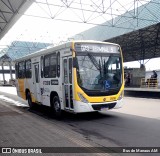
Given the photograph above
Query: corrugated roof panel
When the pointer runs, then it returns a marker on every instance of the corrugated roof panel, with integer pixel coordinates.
(148, 14)
(19, 49)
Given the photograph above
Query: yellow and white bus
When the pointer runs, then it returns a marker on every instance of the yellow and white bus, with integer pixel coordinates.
(78, 76)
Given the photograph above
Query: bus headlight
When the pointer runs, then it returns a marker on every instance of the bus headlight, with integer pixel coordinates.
(121, 95)
(82, 98)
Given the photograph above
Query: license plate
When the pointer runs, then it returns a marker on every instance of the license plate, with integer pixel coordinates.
(104, 109)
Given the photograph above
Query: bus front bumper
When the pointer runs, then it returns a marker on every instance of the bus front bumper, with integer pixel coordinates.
(81, 107)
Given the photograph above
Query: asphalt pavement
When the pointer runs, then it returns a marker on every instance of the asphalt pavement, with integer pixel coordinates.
(137, 124)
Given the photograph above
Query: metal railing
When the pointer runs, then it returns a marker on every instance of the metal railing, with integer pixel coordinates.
(149, 83)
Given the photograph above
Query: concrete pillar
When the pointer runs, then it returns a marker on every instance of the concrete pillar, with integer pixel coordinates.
(3, 74)
(10, 68)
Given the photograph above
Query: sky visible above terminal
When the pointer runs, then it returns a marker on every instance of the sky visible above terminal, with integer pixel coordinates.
(54, 21)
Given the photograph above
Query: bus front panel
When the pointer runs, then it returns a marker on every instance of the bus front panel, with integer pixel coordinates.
(98, 76)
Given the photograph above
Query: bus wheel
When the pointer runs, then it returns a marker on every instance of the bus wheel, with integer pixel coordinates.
(56, 106)
(29, 100)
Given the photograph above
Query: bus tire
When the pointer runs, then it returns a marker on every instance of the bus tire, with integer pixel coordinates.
(56, 107)
(30, 103)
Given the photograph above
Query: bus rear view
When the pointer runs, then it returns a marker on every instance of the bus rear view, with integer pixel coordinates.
(98, 76)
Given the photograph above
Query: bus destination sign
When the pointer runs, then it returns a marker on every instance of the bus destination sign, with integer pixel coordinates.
(100, 48)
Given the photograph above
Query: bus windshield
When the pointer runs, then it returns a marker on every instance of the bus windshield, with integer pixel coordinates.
(98, 71)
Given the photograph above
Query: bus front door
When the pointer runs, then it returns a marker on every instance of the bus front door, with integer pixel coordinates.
(36, 82)
(67, 83)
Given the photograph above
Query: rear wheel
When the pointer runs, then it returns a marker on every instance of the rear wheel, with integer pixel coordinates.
(56, 106)
(30, 103)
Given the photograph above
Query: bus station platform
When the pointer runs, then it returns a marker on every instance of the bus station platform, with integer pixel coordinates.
(142, 92)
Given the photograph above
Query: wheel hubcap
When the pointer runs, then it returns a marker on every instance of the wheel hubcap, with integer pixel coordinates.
(57, 106)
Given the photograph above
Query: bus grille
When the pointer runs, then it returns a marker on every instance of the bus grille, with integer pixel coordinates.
(100, 106)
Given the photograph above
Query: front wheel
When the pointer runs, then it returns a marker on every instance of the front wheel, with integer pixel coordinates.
(56, 106)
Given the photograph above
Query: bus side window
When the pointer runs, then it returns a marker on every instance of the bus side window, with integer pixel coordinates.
(21, 69)
(58, 64)
(46, 66)
(42, 65)
(36, 68)
(65, 71)
(70, 70)
(53, 64)
(28, 69)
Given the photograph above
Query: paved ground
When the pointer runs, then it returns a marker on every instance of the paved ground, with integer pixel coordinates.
(137, 124)
(144, 107)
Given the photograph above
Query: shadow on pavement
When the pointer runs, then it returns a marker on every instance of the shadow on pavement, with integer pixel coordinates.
(47, 113)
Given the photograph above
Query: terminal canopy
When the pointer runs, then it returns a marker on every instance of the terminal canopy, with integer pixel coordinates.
(132, 24)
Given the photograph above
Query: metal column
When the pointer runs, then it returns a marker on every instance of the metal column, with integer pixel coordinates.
(10, 68)
(3, 74)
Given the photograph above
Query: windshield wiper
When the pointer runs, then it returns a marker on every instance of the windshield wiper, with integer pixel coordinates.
(94, 61)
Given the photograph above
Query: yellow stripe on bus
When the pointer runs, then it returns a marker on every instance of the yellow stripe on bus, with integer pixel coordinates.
(21, 88)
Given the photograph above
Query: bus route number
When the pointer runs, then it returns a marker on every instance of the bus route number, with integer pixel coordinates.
(84, 48)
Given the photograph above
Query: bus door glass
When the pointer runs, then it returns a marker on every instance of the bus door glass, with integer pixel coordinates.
(36, 81)
(67, 83)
